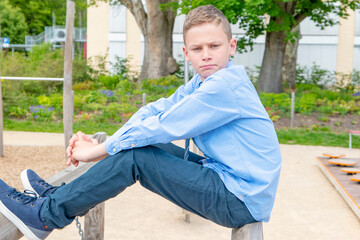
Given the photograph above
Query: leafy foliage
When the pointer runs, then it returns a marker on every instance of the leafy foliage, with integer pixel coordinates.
(257, 17)
(38, 14)
(13, 23)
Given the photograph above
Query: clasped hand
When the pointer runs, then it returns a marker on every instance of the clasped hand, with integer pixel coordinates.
(82, 148)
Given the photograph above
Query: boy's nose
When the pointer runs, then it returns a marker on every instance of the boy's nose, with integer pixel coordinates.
(206, 54)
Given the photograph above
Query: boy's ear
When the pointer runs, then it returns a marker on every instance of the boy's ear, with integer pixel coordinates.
(233, 43)
(185, 53)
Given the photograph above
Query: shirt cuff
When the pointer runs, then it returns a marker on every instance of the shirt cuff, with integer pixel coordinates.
(113, 146)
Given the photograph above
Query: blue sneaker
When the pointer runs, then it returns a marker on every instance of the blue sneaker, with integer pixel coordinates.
(23, 210)
(33, 182)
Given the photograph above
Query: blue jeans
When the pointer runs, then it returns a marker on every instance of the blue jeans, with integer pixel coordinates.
(159, 168)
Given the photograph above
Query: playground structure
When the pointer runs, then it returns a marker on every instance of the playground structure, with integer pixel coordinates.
(55, 35)
(340, 171)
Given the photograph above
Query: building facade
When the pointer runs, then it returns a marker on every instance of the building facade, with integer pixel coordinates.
(112, 31)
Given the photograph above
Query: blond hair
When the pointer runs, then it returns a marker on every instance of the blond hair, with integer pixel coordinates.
(206, 14)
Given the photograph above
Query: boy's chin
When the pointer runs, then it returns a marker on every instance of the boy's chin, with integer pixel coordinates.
(207, 74)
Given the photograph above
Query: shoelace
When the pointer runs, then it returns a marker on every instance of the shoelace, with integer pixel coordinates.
(26, 197)
(49, 187)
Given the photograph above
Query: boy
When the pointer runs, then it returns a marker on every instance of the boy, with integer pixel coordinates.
(218, 108)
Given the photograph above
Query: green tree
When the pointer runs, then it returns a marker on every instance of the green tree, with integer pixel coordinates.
(13, 23)
(277, 19)
(39, 14)
(156, 25)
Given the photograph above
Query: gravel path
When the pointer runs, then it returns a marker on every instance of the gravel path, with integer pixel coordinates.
(44, 160)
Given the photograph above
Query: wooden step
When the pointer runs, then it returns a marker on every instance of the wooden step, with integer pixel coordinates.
(342, 162)
(355, 178)
(333, 155)
(351, 170)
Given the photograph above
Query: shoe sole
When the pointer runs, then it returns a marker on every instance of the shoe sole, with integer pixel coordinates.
(17, 222)
(25, 181)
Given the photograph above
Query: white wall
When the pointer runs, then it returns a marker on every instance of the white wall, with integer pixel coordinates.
(316, 45)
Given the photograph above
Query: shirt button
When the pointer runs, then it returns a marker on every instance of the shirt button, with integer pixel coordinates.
(132, 145)
(114, 149)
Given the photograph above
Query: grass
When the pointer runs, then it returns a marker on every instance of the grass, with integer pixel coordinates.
(304, 136)
(300, 136)
(88, 127)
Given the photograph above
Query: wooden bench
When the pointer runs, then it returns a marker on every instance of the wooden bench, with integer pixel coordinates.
(352, 132)
(95, 221)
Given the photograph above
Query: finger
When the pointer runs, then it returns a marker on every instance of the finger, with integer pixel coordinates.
(75, 162)
(95, 141)
(80, 135)
(68, 163)
(68, 151)
(85, 137)
(73, 140)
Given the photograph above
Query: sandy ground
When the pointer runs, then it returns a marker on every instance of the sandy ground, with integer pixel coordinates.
(307, 205)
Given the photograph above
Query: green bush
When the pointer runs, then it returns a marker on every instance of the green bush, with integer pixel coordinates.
(42, 61)
(162, 87)
(125, 86)
(121, 66)
(113, 111)
(41, 113)
(17, 112)
(95, 97)
(109, 82)
(307, 103)
(281, 103)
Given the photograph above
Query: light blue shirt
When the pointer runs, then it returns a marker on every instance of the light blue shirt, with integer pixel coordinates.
(229, 125)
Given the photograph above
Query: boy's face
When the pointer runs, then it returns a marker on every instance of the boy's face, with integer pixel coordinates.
(208, 48)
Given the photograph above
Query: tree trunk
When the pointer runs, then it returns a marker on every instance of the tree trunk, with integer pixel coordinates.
(158, 42)
(270, 78)
(156, 26)
(289, 64)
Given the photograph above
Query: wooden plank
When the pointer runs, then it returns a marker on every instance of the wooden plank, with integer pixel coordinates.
(94, 223)
(95, 219)
(195, 150)
(251, 231)
(7, 230)
(68, 99)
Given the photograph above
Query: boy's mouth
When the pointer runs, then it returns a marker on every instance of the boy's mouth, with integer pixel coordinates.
(208, 66)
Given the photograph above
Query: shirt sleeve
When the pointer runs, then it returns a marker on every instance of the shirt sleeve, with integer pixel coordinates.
(159, 106)
(210, 106)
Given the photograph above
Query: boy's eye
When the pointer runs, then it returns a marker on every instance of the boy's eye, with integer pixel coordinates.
(214, 46)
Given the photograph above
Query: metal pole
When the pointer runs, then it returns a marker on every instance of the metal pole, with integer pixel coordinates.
(144, 99)
(350, 142)
(292, 109)
(68, 93)
(186, 73)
